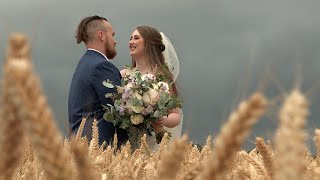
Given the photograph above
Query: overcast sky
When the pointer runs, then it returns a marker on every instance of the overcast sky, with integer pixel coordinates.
(227, 50)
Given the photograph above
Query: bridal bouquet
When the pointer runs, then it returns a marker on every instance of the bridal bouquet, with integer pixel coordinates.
(141, 100)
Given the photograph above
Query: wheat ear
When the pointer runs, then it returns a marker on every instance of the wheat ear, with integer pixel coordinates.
(316, 140)
(81, 127)
(190, 166)
(94, 143)
(290, 138)
(39, 122)
(115, 143)
(126, 171)
(256, 164)
(18, 47)
(144, 148)
(12, 132)
(172, 158)
(232, 135)
(30, 171)
(163, 145)
(84, 167)
(141, 170)
(11, 140)
(207, 149)
(266, 154)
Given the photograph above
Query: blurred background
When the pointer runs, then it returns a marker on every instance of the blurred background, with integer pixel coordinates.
(227, 49)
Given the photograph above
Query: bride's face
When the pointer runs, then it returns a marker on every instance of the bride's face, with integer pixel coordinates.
(136, 44)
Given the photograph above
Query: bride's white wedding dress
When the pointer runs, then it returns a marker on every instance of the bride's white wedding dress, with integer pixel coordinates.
(175, 132)
(171, 58)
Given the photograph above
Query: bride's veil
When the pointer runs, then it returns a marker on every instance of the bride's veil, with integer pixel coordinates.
(171, 58)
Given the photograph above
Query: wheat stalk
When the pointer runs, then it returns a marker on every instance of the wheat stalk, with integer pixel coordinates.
(232, 135)
(94, 143)
(39, 121)
(207, 149)
(84, 167)
(256, 164)
(290, 138)
(266, 154)
(81, 127)
(12, 136)
(172, 158)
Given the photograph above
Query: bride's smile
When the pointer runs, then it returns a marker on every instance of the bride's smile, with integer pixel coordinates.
(136, 45)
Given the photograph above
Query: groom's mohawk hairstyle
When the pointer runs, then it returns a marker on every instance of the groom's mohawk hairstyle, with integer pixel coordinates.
(84, 30)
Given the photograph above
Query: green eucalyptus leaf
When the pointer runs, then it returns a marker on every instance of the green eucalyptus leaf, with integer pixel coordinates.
(122, 82)
(125, 124)
(111, 109)
(108, 95)
(107, 84)
(108, 116)
(104, 107)
(166, 98)
(165, 110)
(157, 114)
(161, 104)
(171, 104)
(136, 102)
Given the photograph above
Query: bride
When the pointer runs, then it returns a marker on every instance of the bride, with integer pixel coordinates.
(152, 52)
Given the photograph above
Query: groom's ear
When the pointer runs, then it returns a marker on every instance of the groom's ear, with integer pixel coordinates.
(100, 35)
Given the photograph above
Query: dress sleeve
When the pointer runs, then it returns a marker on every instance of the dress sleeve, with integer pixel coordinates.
(105, 71)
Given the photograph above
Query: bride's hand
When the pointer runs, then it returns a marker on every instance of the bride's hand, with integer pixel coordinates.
(159, 122)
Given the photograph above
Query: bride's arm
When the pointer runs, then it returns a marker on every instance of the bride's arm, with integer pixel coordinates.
(172, 120)
(174, 117)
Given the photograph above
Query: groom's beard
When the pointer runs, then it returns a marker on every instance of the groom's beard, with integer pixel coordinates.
(110, 51)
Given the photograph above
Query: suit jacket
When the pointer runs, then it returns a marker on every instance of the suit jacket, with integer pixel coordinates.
(87, 94)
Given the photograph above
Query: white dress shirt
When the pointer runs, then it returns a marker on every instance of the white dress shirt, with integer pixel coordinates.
(99, 52)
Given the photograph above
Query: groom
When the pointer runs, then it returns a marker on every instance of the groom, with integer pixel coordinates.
(87, 93)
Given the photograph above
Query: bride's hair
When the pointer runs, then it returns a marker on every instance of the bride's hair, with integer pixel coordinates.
(153, 49)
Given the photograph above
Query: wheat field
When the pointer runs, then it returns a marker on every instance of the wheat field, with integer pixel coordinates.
(32, 148)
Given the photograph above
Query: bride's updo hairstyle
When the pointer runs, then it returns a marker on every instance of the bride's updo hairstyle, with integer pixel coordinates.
(88, 27)
(153, 51)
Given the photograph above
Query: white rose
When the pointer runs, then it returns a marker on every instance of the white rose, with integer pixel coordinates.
(146, 98)
(129, 107)
(137, 109)
(128, 86)
(128, 72)
(155, 86)
(120, 89)
(138, 96)
(136, 119)
(151, 97)
(154, 95)
(163, 86)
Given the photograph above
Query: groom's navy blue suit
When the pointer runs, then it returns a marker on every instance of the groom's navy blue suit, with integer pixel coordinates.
(87, 93)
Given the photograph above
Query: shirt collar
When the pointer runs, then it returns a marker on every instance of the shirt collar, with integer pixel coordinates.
(99, 52)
